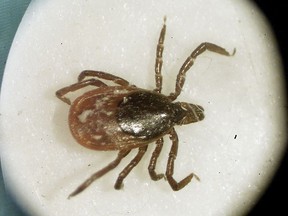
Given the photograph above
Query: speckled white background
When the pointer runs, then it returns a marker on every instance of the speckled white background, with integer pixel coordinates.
(242, 95)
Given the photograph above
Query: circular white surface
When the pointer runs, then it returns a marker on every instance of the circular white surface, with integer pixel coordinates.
(234, 151)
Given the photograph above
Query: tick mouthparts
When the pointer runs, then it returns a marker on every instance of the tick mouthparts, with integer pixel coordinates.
(198, 111)
(199, 107)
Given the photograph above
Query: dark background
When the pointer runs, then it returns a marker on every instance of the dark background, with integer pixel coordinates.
(274, 200)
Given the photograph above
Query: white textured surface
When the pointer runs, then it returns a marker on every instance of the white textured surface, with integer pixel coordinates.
(242, 95)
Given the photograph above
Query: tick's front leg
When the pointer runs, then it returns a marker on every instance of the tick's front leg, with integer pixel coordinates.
(170, 165)
(190, 61)
(159, 60)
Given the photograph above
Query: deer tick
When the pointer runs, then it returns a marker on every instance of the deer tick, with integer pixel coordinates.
(123, 117)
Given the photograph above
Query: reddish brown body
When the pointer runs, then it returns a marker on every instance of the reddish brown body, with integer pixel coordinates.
(123, 117)
(93, 122)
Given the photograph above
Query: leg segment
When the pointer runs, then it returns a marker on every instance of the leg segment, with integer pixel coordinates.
(159, 61)
(102, 75)
(152, 165)
(170, 165)
(190, 61)
(100, 173)
(74, 87)
(129, 167)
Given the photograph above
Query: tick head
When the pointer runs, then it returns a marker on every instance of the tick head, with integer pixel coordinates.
(192, 113)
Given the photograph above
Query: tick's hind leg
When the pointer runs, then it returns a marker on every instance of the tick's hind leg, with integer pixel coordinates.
(102, 75)
(190, 61)
(74, 87)
(129, 167)
(152, 165)
(170, 165)
(100, 173)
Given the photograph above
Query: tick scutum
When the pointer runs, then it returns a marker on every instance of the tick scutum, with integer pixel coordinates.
(147, 114)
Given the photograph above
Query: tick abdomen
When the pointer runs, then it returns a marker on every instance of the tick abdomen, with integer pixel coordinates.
(93, 121)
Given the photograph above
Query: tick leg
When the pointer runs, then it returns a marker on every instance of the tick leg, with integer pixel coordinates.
(152, 165)
(129, 167)
(74, 87)
(170, 165)
(100, 173)
(190, 61)
(102, 75)
(159, 61)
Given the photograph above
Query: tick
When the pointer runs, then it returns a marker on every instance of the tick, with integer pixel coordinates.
(122, 117)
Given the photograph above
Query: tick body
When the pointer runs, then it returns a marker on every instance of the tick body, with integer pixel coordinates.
(123, 117)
